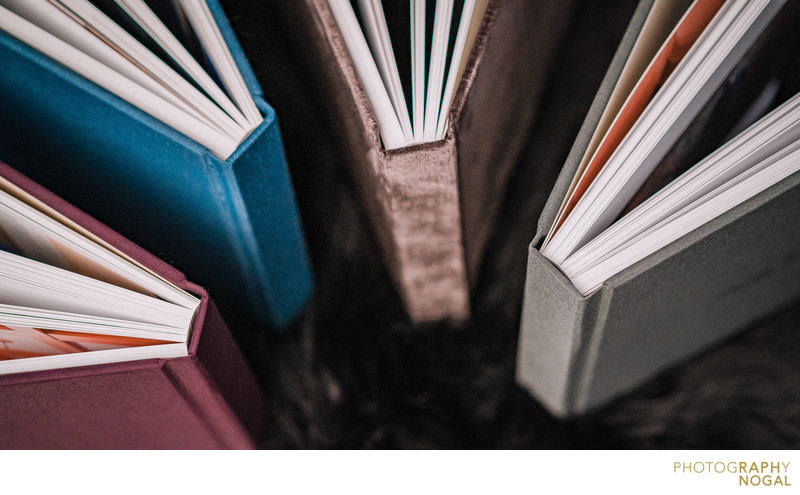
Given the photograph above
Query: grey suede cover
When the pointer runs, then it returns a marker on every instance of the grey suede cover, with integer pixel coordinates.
(577, 353)
(432, 205)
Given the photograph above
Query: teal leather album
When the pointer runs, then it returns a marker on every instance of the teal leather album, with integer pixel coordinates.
(231, 224)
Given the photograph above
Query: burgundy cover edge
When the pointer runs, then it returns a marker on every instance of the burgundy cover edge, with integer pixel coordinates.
(207, 318)
(236, 383)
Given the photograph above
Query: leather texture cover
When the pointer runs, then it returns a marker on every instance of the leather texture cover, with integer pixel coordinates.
(578, 353)
(232, 225)
(432, 205)
(209, 399)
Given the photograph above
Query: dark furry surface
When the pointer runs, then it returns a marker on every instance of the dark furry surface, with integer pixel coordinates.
(353, 372)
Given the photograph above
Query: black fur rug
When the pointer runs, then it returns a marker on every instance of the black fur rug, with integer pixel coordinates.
(353, 372)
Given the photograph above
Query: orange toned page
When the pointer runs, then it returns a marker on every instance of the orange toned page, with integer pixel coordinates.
(94, 341)
(24, 342)
(673, 51)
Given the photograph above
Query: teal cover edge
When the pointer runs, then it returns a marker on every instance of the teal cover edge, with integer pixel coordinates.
(164, 191)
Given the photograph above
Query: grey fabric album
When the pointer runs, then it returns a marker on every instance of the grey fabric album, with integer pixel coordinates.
(582, 342)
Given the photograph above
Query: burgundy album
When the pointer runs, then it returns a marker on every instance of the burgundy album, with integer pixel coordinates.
(206, 399)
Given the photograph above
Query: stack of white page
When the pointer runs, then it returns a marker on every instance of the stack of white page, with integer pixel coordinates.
(434, 74)
(583, 241)
(82, 37)
(768, 152)
(69, 299)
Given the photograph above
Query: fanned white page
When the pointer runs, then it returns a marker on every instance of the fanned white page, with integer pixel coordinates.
(45, 235)
(441, 34)
(41, 238)
(457, 69)
(66, 300)
(664, 17)
(765, 153)
(418, 67)
(391, 131)
(31, 284)
(378, 35)
(51, 19)
(78, 35)
(129, 47)
(73, 360)
(16, 315)
(210, 37)
(145, 17)
(731, 32)
(431, 92)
